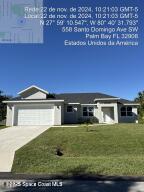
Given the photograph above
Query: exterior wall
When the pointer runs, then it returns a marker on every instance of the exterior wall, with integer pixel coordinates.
(71, 117)
(9, 115)
(61, 116)
(58, 117)
(132, 119)
(62, 113)
(33, 94)
(95, 118)
(77, 115)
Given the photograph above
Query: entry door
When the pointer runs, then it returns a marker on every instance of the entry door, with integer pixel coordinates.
(107, 115)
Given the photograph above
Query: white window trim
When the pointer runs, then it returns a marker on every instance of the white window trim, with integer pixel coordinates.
(88, 112)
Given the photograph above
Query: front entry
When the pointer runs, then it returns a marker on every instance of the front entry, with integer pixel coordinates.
(108, 114)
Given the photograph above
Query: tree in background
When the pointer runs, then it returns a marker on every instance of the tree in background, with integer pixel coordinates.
(2, 105)
(140, 99)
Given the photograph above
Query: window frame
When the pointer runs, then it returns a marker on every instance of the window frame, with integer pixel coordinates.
(71, 107)
(88, 111)
(126, 111)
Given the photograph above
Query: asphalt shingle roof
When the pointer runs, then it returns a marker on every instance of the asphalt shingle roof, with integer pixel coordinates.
(83, 98)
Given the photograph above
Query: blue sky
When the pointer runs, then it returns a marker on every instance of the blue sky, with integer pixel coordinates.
(117, 70)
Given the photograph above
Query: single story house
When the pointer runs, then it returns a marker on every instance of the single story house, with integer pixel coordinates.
(36, 106)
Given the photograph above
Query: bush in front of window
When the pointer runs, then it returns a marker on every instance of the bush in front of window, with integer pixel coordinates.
(141, 116)
(140, 100)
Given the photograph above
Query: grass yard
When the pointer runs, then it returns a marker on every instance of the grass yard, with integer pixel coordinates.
(2, 127)
(107, 150)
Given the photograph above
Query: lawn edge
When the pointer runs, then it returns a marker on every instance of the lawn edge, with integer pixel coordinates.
(87, 177)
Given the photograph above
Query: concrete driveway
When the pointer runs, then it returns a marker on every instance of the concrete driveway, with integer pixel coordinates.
(13, 138)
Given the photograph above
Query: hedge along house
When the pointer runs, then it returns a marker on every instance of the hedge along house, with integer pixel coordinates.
(36, 106)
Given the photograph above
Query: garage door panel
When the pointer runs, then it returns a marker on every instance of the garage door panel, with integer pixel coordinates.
(35, 116)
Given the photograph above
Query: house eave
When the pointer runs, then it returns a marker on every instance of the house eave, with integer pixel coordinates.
(134, 104)
(105, 99)
(34, 101)
(88, 104)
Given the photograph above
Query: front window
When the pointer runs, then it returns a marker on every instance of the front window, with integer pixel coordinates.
(88, 111)
(126, 111)
(70, 109)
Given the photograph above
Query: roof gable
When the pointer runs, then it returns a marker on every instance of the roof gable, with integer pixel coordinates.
(32, 88)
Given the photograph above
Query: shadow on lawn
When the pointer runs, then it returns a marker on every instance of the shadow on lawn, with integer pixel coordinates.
(79, 170)
(83, 186)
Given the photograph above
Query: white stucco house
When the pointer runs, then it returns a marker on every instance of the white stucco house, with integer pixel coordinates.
(35, 106)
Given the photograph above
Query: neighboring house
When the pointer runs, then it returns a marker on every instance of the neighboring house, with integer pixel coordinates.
(35, 106)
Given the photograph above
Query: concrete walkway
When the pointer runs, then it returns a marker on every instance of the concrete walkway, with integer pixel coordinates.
(13, 138)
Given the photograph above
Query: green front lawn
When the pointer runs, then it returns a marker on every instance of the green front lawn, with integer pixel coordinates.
(2, 126)
(109, 150)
